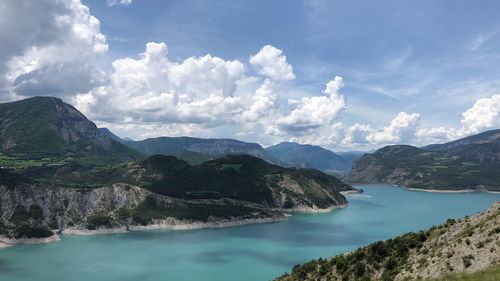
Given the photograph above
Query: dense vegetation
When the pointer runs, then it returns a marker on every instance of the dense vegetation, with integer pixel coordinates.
(385, 256)
(239, 177)
(151, 210)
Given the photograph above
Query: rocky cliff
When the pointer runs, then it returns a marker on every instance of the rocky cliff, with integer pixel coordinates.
(29, 211)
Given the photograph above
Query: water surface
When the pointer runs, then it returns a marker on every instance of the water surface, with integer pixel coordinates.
(252, 252)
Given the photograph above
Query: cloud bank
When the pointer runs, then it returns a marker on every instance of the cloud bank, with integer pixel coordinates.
(59, 50)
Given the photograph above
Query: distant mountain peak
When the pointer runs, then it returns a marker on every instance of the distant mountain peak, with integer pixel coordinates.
(311, 156)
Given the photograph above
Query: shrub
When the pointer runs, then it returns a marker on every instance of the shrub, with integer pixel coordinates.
(359, 269)
(98, 220)
(467, 260)
(26, 231)
(391, 264)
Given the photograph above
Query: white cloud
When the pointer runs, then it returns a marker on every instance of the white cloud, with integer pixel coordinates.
(356, 135)
(401, 130)
(49, 47)
(431, 135)
(271, 62)
(329, 135)
(310, 113)
(119, 2)
(153, 89)
(265, 102)
(484, 114)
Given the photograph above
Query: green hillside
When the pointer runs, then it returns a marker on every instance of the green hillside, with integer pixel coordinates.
(419, 168)
(47, 130)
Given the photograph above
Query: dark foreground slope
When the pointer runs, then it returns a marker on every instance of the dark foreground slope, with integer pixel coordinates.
(470, 163)
(468, 245)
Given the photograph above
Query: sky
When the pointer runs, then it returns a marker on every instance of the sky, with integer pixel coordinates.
(346, 75)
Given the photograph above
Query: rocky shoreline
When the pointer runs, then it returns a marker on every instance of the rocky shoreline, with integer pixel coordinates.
(449, 190)
(357, 184)
(166, 224)
(8, 242)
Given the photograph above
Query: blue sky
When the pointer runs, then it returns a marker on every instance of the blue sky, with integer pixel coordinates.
(393, 55)
(436, 59)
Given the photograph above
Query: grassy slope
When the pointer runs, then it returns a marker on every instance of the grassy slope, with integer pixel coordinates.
(384, 260)
(31, 119)
(490, 274)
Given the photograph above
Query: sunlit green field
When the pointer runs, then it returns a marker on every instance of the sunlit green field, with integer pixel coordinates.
(490, 274)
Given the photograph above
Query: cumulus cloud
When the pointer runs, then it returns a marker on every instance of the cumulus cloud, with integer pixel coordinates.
(484, 114)
(271, 62)
(119, 2)
(329, 135)
(154, 89)
(428, 135)
(357, 134)
(401, 129)
(265, 102)
(49, 47)
(310, 113)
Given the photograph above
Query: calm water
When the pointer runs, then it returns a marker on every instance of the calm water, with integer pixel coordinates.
(253, 252)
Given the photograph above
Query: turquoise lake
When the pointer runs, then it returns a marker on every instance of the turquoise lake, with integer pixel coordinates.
(252, 252)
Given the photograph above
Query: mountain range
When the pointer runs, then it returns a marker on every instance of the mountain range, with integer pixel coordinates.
(312, 156)
(471, 163)
(288, 154)
(59, 171)
(197, 150)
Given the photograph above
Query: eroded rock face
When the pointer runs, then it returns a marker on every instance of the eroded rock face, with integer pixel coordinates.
(73, 126)
(470, 245)
(305, 195)
(57, 207)
(65, 206)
